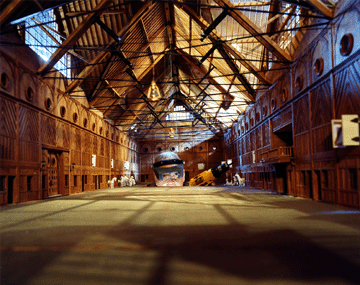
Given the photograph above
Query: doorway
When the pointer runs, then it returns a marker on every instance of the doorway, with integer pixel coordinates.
(50, 177)
(53, 176)
(99, 181)
(83, 183)
(309, 184)
(11, 189)
(281, 178)
(317, 184)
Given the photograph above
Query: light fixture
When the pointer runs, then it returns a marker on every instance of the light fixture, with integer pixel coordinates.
(154, 92)
(171, 133)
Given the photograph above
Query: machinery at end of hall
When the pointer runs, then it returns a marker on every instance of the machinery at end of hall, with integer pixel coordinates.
(207, 177)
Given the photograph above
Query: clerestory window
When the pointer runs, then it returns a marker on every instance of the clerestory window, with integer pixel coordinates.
(42, 36)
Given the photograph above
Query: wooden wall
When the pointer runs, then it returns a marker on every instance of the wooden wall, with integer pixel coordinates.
(294, 118)
(47, 139)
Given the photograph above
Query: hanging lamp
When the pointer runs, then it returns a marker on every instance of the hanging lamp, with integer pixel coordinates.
(154, 91)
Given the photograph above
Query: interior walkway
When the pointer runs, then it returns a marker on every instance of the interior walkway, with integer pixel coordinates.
(184, 235)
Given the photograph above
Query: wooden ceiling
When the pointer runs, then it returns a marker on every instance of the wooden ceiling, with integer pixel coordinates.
(209, 58)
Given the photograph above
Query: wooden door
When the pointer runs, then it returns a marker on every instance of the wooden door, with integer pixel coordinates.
(53, 173)
(50, 172)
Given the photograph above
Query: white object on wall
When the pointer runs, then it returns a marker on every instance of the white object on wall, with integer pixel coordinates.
(350, 126)
(345, 132)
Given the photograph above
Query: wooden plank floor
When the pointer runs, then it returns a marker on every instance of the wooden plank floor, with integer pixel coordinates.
(179, 235)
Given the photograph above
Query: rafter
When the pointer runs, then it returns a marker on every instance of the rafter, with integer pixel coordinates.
(140, 105)
(313, 5)
(162, 112)
(244, 61)
(9, 10)
(201, 70)
(285, 22)
(115, 91)
(241, 88)
(89, 68)
(169, 24)
(252, 4)
(73, 37)
(319, 6)
(234, 68)
(254, 30)
(45, 29)
(117, 40)
(143, 49)
(197, 102)
(198, 116)
(116, 101)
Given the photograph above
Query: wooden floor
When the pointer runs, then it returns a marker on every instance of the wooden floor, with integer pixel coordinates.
(179, 235)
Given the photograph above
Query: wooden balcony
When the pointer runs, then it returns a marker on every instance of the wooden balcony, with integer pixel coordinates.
(282, 154)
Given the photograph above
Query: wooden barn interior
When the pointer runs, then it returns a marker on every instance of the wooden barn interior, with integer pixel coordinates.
(95, 89)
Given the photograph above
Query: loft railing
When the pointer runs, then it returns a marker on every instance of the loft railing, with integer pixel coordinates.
(280, 154)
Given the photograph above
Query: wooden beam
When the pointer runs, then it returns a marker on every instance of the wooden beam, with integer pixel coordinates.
(245, 92)
(124, 69)
(73, 37)
(146, 104)
(248, 64)
(117, 101)
(168, 22)
(201, 70)
(239, 76)
(115, 91)
(101, 78)
(109, 12)
(45, 29)
(271, 27)
(285, 22)
(274, 18)
(252, 4)
(320, 6)
(254, 30)
(9, 10)
(162, 112)
(88, 69)
(141, 106)
(196, 113)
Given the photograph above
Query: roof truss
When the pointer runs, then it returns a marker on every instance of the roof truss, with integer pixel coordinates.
(120, 47)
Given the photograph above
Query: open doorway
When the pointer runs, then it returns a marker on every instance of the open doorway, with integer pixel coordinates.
(284, 136)
(83, 181)
(281, 178)
(317, 184)
(11, 189)
(7, 185)
(309, 184)
(95, 182)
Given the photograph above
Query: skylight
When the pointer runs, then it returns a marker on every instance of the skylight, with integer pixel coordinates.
(42, 37)
(179, 114)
